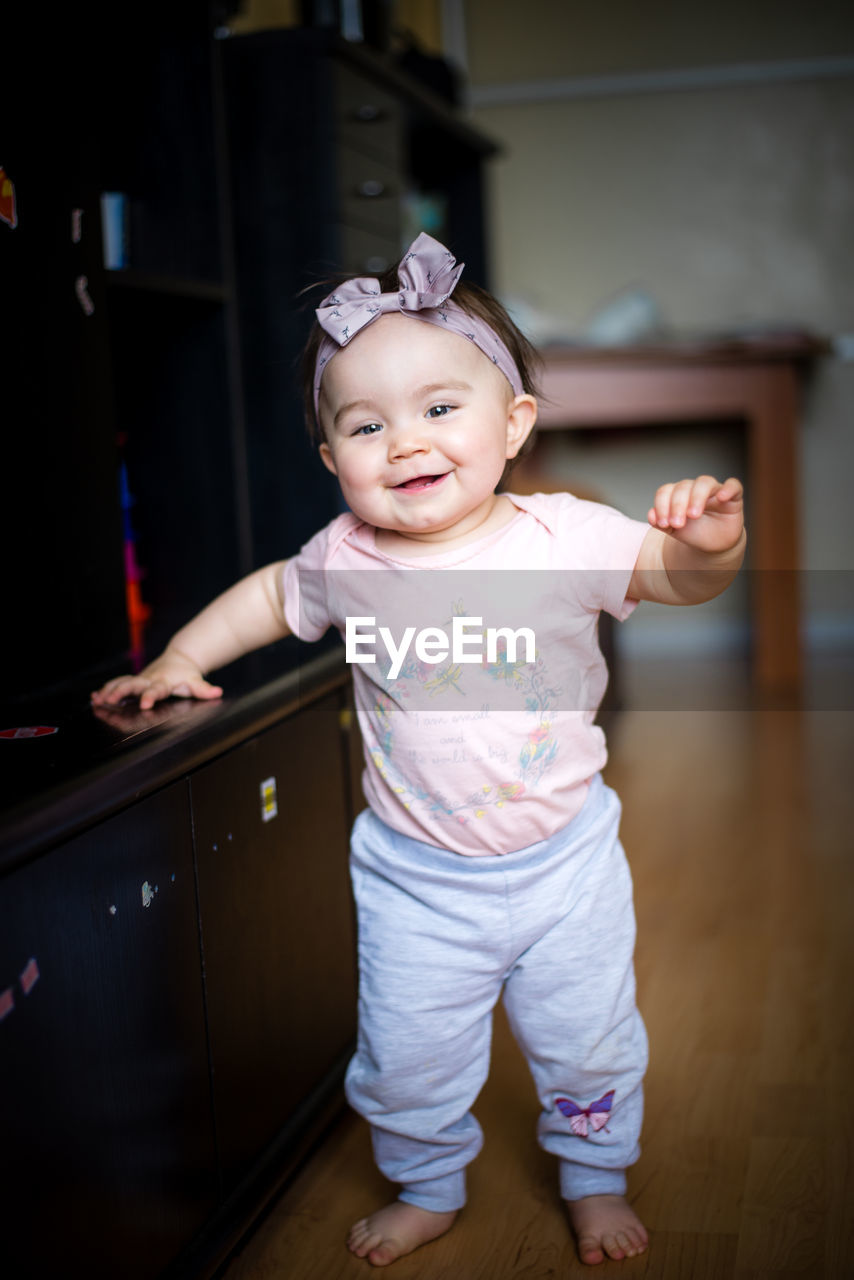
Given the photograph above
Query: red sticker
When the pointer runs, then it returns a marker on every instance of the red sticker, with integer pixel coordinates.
(7, 1002)
(8, 210)
(30, 731)
(30, 977)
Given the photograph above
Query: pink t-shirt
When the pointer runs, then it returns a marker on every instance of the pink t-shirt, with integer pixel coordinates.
(477, 672)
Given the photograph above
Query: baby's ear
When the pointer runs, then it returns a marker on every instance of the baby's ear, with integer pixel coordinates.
(521, 416)
(327, 458)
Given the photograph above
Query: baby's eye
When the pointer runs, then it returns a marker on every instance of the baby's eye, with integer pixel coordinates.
(439, 410)
(368, 429)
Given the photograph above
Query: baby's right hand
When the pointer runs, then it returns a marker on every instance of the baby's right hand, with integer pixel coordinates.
(170, 675)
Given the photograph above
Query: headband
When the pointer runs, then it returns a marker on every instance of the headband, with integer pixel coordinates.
(427, 276)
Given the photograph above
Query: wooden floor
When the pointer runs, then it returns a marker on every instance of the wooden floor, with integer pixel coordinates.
(738, 824)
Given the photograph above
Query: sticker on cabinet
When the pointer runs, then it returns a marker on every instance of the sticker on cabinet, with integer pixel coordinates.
(8, 209)
(29, 977)
(29, 731)
(269, 803)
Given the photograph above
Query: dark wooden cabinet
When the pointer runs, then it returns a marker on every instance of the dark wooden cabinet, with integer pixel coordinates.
(271, 836)
(177, 981)
(178, 992)
(108, 1151)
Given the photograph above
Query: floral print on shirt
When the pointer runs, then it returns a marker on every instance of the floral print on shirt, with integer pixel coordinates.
(538, 748)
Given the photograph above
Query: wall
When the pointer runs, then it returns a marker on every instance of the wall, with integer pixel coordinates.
(730, 201)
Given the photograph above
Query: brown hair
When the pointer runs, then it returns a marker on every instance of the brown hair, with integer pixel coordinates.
(471, 299)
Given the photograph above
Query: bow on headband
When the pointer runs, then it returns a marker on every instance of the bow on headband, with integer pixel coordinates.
(427, 276)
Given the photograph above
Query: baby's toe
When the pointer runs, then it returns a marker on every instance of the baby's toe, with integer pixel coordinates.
(383, 1254)
(612, 1244)
(624, 1244)
(590, 1250)
(638, 1240)
(362, 1238)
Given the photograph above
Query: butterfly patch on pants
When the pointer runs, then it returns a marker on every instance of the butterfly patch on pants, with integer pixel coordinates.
(581, 1118)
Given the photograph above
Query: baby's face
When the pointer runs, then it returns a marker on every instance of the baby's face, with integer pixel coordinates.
(419, 425)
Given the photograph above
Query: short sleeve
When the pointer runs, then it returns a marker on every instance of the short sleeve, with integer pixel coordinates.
(306, 608)
(622, 538)
(601, 546)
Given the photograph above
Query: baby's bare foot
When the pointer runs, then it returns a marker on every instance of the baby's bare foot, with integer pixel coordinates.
(396, 1230)
(606, 1226)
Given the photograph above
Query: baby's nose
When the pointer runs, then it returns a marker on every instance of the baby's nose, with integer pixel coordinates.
(408, 440)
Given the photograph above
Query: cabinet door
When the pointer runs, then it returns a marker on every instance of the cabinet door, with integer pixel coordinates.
(108, 1165)
(271, 828)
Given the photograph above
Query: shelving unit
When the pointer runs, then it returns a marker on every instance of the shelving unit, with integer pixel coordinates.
(250, 167)
(325, 142)
(170, 286)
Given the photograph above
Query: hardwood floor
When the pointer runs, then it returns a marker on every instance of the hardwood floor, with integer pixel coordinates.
(738, 825)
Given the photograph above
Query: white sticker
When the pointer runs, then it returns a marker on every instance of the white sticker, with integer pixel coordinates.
(269, 804)
(81, 288)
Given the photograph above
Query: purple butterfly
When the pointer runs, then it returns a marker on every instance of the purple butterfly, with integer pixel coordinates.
(596, 1113)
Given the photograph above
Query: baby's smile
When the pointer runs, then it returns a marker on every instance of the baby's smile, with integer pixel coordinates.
(418, 484)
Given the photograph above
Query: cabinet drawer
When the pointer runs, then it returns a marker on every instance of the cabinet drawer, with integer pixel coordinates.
(271, 828)
(368, 117)
(369, 193)
(104, 1079)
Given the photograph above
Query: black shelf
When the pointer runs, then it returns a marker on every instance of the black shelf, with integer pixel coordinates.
(169, 286)
(97, 762)
(237, 160)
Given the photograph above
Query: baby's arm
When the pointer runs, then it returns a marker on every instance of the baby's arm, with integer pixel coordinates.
(247, 616)
(696, 542)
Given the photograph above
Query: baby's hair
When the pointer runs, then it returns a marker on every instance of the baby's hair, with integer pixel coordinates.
(470, 298)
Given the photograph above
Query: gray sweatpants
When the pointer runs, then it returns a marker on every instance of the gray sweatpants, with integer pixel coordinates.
(441, 936)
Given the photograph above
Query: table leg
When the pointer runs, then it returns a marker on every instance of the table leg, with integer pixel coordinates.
(773, 529)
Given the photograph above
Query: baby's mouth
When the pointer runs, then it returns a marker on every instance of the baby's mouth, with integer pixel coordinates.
(419, 483)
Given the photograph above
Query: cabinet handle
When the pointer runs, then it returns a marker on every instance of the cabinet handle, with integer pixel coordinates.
(371, 188)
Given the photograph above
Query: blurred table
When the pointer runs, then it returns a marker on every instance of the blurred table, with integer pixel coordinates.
(757, 381)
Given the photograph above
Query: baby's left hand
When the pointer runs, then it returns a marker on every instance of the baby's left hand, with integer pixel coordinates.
(702, 513)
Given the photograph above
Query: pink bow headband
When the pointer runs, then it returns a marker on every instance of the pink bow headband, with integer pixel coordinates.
(427, 276)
